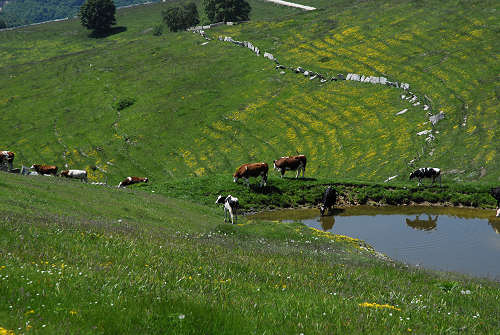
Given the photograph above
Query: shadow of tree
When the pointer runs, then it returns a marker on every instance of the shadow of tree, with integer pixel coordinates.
(106, 33)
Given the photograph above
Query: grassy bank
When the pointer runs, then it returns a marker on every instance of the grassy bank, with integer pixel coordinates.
(81, 259)
(289, 192)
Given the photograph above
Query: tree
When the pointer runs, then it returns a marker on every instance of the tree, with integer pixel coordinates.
(177, 18)
(191, 15)
(98, 15)
(227, 10)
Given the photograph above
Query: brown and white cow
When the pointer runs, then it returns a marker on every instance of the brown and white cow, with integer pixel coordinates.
(291, 163)
(252, 170)
(7, 157)
(45, 169)
(132, 180)
(75, 174)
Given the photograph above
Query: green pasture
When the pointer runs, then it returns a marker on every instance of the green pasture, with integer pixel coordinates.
(86, 259)
(205, 109)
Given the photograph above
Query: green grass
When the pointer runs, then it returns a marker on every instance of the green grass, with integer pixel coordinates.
(203, 110)
(67, 265)
(186, 116)
(289, 192)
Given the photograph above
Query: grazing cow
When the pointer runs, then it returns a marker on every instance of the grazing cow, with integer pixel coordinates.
(329, 199)
(7, 157)
(495, 193)
(132, 180)
(433, 173)
(291, 163)
(252, 170)
(45, 169)
(75, 174)
(231, 205)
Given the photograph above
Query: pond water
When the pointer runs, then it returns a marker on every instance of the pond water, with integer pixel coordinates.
(449, 239)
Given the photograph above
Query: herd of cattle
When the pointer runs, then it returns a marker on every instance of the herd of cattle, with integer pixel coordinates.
(251, 170)
(7, 162)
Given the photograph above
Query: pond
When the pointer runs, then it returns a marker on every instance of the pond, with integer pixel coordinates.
(449, 239)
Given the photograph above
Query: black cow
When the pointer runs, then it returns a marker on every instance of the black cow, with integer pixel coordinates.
(433, 173)
(329, 199)
(495, 193)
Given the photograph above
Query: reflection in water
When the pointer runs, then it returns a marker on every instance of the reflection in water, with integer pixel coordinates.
(327, 222)
(467, 240)
(495, 224)
(428, 224)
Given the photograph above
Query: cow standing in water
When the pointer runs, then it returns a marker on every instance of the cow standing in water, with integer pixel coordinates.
(252, 170)
(291, 163)
(495, 193)
(231, 205)
(432, 173)
(329, 199)
(132, 180)
(7, 157)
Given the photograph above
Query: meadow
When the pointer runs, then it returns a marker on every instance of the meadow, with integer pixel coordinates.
(156, 258)
(82, 259)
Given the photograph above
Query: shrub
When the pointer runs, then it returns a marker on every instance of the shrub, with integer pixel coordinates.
(158, 30)
(124, 103)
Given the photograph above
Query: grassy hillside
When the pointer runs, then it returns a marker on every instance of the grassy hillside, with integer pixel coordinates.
(205, 109)
(82, 259)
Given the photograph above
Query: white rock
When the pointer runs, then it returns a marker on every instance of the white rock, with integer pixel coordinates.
(424, 132)
(402, 112)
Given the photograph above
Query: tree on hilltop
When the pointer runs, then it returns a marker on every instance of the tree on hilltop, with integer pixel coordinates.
(177, 18)
(98, 15)
(227, 10)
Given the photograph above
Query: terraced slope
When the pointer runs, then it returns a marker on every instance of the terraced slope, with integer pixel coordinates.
(200, 109)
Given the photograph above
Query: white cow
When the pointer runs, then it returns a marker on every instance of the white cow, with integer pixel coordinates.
(231, 205)
(75, 174)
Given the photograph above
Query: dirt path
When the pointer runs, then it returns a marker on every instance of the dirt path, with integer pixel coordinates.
(291, 4)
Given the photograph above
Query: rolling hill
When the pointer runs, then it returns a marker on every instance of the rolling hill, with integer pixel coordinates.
(203, 109)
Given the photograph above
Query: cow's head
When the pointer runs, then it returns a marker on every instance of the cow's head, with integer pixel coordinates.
(412, 175)
(220, 200)
(34, 166)
(146, 180)
(498, 213)
(64, 173)
(322, 209)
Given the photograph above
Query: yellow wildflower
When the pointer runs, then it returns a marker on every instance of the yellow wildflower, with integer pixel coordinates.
(375, 305)
(72, 312)
(4, 331)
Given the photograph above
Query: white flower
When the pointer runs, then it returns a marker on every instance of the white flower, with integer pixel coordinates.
(181, 316)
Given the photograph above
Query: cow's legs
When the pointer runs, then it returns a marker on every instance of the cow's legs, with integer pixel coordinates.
(298, 171)
(231, 214)
(264, 180)
(225, 214)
